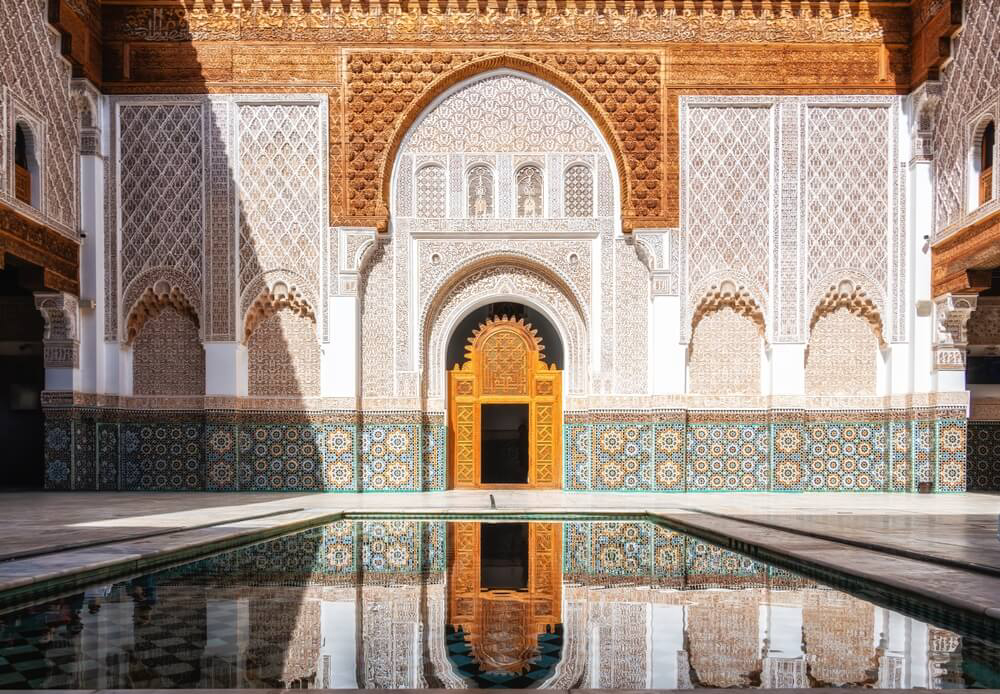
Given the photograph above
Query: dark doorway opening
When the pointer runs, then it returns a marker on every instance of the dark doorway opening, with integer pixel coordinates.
(22, 377)
(505, 444)
(503, 554)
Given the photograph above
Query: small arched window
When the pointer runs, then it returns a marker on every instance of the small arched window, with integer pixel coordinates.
(578, 191)
(431, 193)
(26, 179)
(987, 146)
(529, 191)
(480, 191)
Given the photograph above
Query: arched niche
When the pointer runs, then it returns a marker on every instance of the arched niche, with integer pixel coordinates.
(482, 69)
(503, 279)
(505, 122)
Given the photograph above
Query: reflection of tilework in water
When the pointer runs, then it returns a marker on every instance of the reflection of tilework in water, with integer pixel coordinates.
(577, 445)
(390, 546)
(951, 444)
(621, 549)
(622, 456)
(279, 457)
(847, 457)
(107, 456)
(390, 457)
(668, 463)
(162, 457)
(711, 566)
(669, 553)
(58, 453)
(337, 555)
(728, 457)
(900, 462)
(984, 456)
(220, 457)
(789, 448)
(576, 548)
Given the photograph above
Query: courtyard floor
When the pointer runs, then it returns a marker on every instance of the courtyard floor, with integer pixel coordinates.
(943, 546)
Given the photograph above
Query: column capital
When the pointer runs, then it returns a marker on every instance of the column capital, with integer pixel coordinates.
(61, 339)
(951, 337)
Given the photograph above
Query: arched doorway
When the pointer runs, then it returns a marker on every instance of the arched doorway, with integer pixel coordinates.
(505, 407)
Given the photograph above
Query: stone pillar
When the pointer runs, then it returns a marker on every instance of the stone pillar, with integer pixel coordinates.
(668, 354)
(93, 355)
(225, 368)
(951, 339)
(61, 340)
(923, 105)
(341, 359)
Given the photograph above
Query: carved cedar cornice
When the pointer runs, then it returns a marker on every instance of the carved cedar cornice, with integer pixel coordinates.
(832, 21)
(728, 295)
(272, 300)
(961, 262)
(43, 246)
(154, 300)
(850, 296)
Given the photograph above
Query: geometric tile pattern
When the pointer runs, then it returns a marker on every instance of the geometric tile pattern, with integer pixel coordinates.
(58, 453)
(847, 457)
(220, 457)
(984, 456)
(621, 456)
(728, 457)
(279, 457)
(951, 455)
(107, 456)
(162, 456)
(391, 457)
(791, 471)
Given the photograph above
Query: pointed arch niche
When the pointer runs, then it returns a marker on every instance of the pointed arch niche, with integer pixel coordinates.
(727, 342)
(283, 350)
(163, 331)
(845, 337)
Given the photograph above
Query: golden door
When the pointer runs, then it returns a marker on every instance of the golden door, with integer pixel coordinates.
(504, 365)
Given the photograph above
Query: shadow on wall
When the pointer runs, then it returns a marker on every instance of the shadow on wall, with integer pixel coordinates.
(185, 315)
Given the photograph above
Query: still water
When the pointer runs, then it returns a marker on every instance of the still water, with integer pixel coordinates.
(407, 603)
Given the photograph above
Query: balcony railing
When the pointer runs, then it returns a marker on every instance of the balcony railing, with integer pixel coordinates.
(22, 184)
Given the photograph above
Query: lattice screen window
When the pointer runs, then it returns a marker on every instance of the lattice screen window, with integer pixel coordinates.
(480, 191)
(529, 191)
(579, 191)
(431, 191)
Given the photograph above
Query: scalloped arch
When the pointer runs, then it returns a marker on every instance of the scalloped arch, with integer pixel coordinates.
(518, 64)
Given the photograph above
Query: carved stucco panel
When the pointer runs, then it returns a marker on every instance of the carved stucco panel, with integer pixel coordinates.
(505, 280)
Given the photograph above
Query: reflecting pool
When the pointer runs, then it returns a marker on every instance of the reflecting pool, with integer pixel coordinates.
(429, 603)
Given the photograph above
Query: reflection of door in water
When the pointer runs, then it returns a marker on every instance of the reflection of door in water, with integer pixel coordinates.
(504, 443)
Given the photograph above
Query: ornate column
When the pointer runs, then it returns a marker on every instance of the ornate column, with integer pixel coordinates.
(61, 340)
(951, 339)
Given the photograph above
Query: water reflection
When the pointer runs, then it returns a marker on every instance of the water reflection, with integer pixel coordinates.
(417, 604)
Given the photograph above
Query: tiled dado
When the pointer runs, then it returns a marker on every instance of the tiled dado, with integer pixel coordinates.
(791, 451)
(185, 451)
(984, 455)
(621, 450)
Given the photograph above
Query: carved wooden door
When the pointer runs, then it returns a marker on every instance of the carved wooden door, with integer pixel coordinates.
(505, 365)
